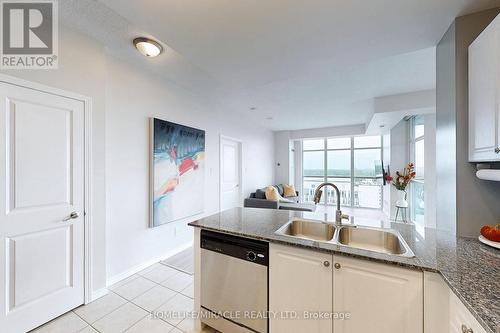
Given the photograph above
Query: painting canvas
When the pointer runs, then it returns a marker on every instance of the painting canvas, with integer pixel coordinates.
(178, 171)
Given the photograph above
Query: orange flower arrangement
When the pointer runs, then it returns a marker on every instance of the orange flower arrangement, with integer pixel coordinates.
(401, 180)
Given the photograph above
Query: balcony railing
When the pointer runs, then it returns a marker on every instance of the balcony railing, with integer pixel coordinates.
(367, 191)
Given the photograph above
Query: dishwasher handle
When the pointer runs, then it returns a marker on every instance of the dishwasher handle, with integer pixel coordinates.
(241, 248)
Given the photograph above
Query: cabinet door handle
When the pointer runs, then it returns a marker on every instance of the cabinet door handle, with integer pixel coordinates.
(337, 265)
(465, 329)
(497, 150)
(326, 263)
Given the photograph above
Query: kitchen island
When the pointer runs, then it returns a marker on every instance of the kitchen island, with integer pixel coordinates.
(471, 270)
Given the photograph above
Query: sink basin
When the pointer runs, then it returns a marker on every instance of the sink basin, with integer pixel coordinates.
(386, 241)
(377, 240)
(308, 230)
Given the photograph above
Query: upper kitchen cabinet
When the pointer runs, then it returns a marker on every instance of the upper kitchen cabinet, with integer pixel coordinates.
(484, 90)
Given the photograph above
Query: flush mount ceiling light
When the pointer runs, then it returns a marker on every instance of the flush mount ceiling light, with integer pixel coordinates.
(148, 47)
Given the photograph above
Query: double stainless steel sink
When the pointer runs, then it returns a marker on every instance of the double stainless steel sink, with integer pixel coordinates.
(387, 241)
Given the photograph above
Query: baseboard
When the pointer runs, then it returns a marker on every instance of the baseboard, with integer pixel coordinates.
(121, 276)
(98, 294)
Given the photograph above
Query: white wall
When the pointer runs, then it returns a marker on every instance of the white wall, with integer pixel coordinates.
(131, 98)
(126, 97)
(430, 170)
(386, 153)
(446, 132)
(297, 160)
(464, 202)
(399, 158)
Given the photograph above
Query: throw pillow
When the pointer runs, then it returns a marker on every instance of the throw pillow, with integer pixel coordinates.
(289, 191)
(280, 189)
(272, 193)
(260, 194)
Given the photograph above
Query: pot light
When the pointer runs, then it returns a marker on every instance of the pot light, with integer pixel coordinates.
(148, 47)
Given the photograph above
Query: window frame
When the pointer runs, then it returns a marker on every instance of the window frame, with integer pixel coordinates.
(412, 152)
(352, 177)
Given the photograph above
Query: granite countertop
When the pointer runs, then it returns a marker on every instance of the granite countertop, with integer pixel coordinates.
(470, 268)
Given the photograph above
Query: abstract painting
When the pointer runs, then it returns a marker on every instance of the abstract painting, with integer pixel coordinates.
(178, 171)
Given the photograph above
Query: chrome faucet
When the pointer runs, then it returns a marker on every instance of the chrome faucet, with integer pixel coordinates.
(338, 214)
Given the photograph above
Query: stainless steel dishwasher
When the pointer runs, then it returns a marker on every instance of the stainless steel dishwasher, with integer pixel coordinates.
(234, 281)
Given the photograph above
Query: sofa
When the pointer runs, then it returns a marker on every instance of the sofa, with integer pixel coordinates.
(258, 199)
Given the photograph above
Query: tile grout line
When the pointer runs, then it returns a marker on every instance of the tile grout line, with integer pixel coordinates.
(107, 313)
(117, 285)
(158, 284)
(135, 322)
(122, 283)
(137, 295)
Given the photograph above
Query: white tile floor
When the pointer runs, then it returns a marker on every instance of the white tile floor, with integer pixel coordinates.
(128, 306)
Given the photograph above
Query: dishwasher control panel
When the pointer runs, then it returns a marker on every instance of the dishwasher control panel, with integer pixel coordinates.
(237, 247)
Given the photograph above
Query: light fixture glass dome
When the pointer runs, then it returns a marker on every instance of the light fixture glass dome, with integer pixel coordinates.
(148, 47)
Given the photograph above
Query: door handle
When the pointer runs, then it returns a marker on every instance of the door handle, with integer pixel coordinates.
(72, 216)
(497, 150)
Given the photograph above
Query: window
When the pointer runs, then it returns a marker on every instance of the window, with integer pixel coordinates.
(417, 186)
(351, 163)
(368, 172)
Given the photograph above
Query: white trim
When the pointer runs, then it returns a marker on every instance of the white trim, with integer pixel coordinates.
(87, 110)
(88, 199)
(98, 294)
(240, 158)
(137, 268)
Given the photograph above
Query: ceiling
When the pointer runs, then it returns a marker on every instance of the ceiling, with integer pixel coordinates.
(305, 64)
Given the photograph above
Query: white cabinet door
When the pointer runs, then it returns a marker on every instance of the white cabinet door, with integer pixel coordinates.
(460, 318)
(436, 304)
(42, 172)
(300, 281)
(379, 297)
(443, 311)
(484, 88)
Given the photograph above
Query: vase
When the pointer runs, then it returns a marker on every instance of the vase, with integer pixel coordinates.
(401, 201)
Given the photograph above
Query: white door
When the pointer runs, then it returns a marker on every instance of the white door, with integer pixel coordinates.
(300, 284)
(230, 173)
(379, 297)
(42, 172)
